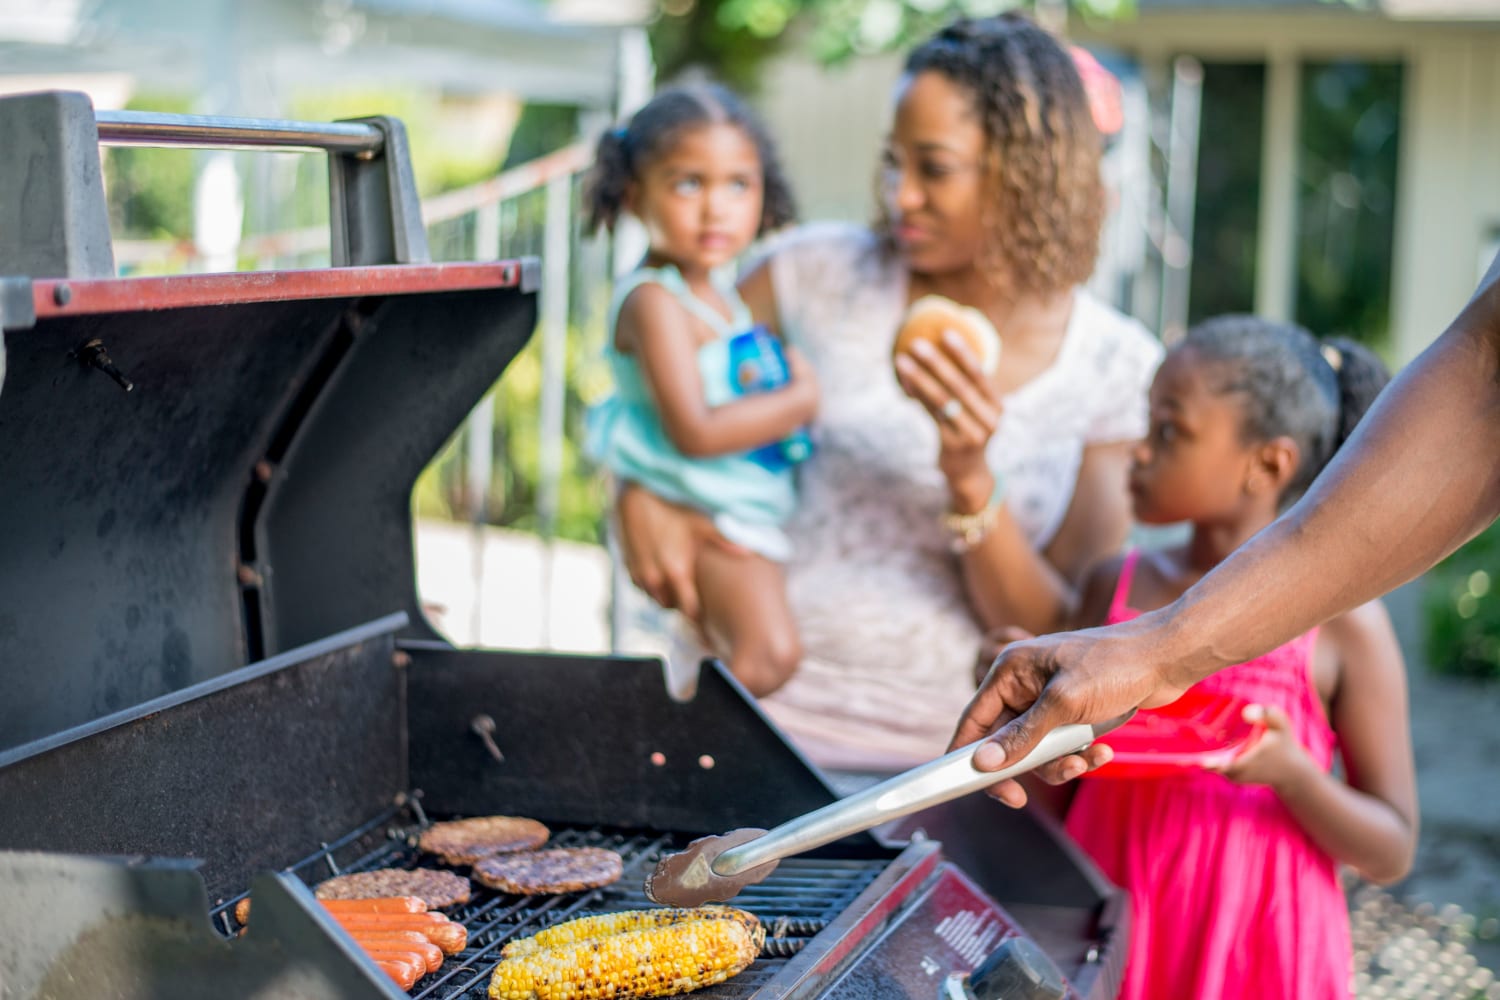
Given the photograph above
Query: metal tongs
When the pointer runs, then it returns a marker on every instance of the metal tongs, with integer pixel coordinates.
(715, 869)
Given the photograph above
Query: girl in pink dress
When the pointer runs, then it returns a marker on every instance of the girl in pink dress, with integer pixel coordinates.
(1234, 875)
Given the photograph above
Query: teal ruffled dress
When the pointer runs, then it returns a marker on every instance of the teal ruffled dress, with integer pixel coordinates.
(748, 502)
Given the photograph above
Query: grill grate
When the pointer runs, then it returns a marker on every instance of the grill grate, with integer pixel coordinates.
(795, 903)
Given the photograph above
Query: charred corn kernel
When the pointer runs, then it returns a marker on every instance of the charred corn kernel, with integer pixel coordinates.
(658, 961)
(604, 924)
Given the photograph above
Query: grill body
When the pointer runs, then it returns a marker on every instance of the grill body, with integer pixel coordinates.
(331, 757)
(218, 681)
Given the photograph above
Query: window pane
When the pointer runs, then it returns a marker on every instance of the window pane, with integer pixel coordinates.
(1347, 197)
(1228, 202)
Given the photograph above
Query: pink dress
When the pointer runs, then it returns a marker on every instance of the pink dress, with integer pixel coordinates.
(1229, 897)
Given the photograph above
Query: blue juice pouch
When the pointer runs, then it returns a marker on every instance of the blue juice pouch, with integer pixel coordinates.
(758, 364)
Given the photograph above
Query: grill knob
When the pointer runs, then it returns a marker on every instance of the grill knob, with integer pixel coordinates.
(1016, 970)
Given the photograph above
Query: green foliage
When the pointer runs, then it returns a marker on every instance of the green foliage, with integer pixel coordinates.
(151, 190)
(512, 501)
(1347, 174)
(1462, 605)
(732, 52)
(541, 129)
(1227, 210)
(437, 166)
(730, 38)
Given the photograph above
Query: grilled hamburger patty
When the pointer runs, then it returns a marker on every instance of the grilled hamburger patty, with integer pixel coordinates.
(465, 841)
(562, 869)
(437, 889)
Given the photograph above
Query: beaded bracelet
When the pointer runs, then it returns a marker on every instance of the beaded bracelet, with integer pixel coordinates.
(968, 530)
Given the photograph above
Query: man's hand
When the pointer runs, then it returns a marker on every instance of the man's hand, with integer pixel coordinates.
(1040, 684)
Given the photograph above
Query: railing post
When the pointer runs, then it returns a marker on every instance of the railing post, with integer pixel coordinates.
(481, 436)
(556, 267)
(487, 231)
(480, 454)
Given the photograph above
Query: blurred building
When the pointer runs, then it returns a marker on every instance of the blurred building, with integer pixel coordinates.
(462, 68)
(247, 58)
(1304, 159)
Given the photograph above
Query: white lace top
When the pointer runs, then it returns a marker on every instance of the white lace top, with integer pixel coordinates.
(884, 620)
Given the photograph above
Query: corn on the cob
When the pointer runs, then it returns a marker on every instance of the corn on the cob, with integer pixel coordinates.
(601, 925)
(653, 961)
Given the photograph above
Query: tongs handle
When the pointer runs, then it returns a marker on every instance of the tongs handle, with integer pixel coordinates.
(937, 781)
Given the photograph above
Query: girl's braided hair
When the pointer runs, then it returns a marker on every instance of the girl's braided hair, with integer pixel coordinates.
(1293, 385)
(624, 153)
(1044, 198)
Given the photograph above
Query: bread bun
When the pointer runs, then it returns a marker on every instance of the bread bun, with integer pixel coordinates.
(932, 315)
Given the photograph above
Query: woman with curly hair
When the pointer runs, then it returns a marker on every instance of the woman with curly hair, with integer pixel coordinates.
(921, 527)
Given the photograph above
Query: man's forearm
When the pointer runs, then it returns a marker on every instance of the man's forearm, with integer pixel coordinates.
(1417, 479)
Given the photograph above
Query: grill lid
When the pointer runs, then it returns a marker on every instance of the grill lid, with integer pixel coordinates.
(199, 472)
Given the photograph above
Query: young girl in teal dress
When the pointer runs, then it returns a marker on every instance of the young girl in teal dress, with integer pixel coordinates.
(706, 411)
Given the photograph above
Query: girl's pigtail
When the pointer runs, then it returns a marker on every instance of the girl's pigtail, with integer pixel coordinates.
(779, 207)
(1361, 376)
(605, 185)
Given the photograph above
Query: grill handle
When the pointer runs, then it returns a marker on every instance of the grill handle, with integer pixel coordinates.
(374, 214)
(154, 128)
(938, 781)
(54, 222)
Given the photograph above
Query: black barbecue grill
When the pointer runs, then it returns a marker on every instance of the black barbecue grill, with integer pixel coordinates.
(218, 681)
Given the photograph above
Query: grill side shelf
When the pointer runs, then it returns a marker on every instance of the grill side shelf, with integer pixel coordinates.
(136, 929)
(840, 944)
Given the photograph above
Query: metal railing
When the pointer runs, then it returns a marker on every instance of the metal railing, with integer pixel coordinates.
(552, 176)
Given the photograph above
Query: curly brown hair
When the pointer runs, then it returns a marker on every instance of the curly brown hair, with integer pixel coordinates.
(625, 152)
(1044, 198)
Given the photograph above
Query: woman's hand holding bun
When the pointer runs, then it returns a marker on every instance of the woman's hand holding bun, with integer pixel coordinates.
(941, 354)
(931, 317)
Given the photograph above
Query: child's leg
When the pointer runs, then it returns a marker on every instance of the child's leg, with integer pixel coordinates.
(745, 611)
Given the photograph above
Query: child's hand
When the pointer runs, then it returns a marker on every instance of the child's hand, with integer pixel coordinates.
(1275, 757)
(990, 645)
(799, 367)
(803, 378)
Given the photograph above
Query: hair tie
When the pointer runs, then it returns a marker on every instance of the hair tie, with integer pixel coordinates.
(1333, 356)
(620, 133)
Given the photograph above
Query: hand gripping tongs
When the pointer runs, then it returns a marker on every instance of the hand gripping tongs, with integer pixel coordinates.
(715, 869)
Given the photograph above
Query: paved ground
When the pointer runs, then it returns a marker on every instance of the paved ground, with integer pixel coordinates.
(1456, 739)
(1411, 937)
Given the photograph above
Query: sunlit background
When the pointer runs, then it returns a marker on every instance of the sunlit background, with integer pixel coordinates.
(1333, 163)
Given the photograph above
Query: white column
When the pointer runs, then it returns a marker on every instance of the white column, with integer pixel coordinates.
(218, 199)
(1181, 196)
(218, 212)
(1276, 243)
(1448, 197)
(637, 78)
